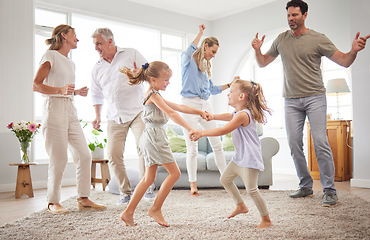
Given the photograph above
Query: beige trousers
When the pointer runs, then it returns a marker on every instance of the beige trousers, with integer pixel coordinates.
(250, 179)
(116, 139)
(61, 129)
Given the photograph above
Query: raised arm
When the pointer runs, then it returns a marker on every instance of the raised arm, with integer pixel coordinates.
(262, 59)
(201, 31)
(346, 59)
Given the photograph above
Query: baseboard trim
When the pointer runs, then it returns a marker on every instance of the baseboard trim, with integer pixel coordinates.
(37, 185)
(362, 183)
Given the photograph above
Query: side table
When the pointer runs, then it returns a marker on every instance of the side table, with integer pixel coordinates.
(105, 176)
(24, 182)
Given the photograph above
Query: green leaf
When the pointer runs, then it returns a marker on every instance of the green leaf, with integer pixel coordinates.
(91, 146)
(95, 132)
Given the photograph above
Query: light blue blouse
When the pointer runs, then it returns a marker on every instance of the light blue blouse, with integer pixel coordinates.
(194, 82)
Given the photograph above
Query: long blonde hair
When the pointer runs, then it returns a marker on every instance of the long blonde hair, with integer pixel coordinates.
(147, 71)
(255, 100)
(56, 40)
(199, 54)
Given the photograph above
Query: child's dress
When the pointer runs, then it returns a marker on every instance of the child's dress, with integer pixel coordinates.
(154, 142)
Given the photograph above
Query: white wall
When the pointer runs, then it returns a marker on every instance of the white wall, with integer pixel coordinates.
(361, 96)
(337, 19)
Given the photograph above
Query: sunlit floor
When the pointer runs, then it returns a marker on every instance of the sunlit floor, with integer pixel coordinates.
(12, 209)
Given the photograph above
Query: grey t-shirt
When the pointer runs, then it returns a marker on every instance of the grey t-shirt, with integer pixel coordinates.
(301, 57)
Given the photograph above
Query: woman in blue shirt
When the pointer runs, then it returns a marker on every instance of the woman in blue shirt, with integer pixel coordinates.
(196, 90)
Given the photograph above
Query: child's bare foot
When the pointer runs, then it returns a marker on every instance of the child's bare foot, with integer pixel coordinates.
(128, 219)
(158, 217)
(265, 223)
(240, 208)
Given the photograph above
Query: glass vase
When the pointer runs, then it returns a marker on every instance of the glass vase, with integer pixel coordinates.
(25, 147)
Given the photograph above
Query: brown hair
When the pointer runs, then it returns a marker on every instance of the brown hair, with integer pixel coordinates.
(56, 40)
(255, 100)
(147, 71)
(199, 54)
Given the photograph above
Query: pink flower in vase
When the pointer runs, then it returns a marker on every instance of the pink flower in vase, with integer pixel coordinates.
(10, 125)
(32, 127)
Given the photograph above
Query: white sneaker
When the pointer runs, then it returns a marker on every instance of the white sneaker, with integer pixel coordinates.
(149, 194)
(123, 198)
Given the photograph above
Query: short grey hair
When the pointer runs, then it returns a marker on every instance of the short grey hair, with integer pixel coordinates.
(105, 33)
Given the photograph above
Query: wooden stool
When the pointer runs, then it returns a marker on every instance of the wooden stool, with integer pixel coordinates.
(105, 176)
(24, 182)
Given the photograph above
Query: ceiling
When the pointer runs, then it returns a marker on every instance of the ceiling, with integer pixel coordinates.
(204, 9)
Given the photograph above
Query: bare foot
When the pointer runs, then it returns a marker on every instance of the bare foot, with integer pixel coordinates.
(265, 223)
(158, 217)
(193, 189)
(240, 208)
(128, 219)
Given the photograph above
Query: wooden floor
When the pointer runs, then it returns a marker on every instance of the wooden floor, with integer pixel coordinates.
(12, 209)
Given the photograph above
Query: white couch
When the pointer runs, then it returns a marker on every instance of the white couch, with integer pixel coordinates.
(208, 175)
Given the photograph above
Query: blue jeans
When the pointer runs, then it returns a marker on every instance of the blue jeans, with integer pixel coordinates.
(296, 110)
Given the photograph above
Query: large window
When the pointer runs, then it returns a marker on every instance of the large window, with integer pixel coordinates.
(153, 43)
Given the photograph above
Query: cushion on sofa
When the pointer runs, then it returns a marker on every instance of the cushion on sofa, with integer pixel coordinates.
(177, 143)
(227, 143)
(202, 142)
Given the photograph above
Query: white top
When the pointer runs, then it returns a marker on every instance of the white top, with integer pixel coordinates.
(247, 145)
(62, 71)
(124, 101)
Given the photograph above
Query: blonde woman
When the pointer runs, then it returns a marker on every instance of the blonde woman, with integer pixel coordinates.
(196, 90)
(55, 79)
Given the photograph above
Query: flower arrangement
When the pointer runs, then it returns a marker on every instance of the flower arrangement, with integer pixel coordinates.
(24, 131)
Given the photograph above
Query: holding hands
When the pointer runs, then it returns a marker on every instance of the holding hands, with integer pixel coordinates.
(207, 116)
(194, 135)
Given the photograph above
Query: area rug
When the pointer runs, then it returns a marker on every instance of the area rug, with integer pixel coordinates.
(203, 217)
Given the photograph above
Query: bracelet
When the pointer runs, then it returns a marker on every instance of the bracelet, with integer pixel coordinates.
(228, 85)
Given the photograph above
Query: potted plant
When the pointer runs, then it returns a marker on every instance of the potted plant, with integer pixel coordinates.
(96, 144)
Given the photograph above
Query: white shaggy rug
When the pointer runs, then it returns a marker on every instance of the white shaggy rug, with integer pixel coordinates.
(203, 217)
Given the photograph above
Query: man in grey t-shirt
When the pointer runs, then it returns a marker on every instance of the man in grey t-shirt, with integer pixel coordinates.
(301, 50)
